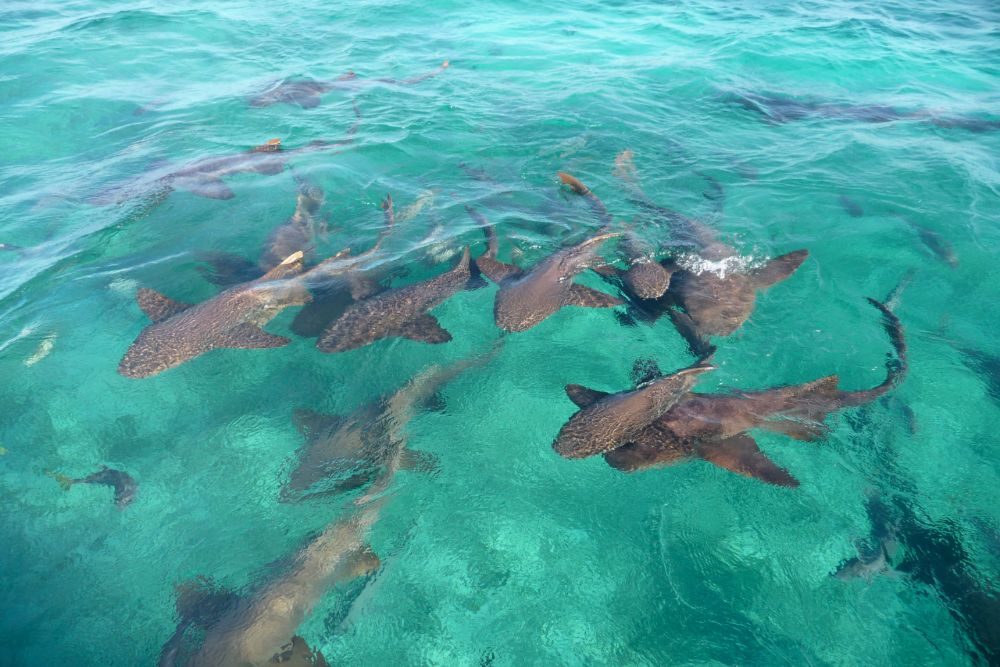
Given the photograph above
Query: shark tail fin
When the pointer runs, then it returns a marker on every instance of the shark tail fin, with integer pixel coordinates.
(596, 205)
(64, 481)
(895, 367)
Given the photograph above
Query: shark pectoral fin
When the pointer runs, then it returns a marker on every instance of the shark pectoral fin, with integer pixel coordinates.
(779, 268)
(156, 306)
(741, 455)
(799, 430)
(583, 396)
(248, 336)
(688, 330)
(581, 295)
(418, 461)
(297, 653)
(363, 287)
(212, 188)
(425, 329)
(225, 269)
(311, 423)
(496, 271)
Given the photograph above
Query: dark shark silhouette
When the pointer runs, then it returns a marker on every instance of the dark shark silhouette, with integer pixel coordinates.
(527, 297)
(714, 427)
(939, 246)
(400, 312)
(702, 301)
(371, 442)
(307, 93)
(784, 109)
(609, 421)
(205, 177)
(180, 332)
(259, 628)
(124, 485)
(645, 277)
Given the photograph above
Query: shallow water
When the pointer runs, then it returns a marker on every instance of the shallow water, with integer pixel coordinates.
(506, 554)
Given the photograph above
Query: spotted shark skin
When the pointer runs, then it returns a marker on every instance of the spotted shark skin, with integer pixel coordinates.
(714, 427)
(527, 297)
(307, 93)
(400, 312)
(180, 332)
(613, 420)
(706, 303)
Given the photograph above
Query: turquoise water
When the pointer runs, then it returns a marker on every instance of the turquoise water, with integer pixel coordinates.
(506, 554)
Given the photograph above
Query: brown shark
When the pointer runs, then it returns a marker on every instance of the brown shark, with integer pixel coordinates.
(371, 443)
(526, 298)
(306, 92)
(400, 312)
(124, 484)
(613, 420)
(260, 628)
(644, 277)
(205, 177)
(710, 294)
(714, 427)
(180, 332)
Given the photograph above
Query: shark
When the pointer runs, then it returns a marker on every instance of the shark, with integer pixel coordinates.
(710, 292)
(307, 93)
(714, 427)
(370, 444)
(610, 421)
(180, 332)
(124, 484)
(527, 297)
(259, 628)
(205, 177)
(939, 246)
(783, 109)
(399, 312)
(645, 277)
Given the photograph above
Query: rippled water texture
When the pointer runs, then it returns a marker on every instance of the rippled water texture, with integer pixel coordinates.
(757, 118)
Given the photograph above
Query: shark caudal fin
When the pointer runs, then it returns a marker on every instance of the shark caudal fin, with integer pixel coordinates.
(64, 481)
(895, 367)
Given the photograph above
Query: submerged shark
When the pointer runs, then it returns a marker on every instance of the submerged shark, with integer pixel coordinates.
(939, 246)
(645, 277)
(369, 444)
(124, 485)
(527, 297)
(259, 628)
(612, 420)
(710, 293)
(400, 312)
(783, 109)
(714, 427)
(205, 177)
(306, 92)
(180, 332)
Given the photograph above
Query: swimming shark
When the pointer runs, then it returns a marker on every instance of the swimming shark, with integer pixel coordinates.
(878, 553)
(205, 177)
(298, 232)
(714, 427)
(306, 92)
(400, 312)
(180, 332)
(710, 293)
(939, 246)
(371, 443)
(645, 277)
(782, 109)
(259, 628)
(527, 297)
(611, 420)
(124, 485)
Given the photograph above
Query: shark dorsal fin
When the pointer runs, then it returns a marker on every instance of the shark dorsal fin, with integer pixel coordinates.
(821, 386)
(311, 423)
(157, 306)
(583, 396)
(290, 266)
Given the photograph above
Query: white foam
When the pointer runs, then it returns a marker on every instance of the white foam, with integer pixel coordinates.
(698, 265)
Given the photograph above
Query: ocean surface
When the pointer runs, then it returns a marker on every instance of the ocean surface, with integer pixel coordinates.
(759, 119)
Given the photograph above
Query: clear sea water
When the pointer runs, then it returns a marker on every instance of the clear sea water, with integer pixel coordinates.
(507, 554)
